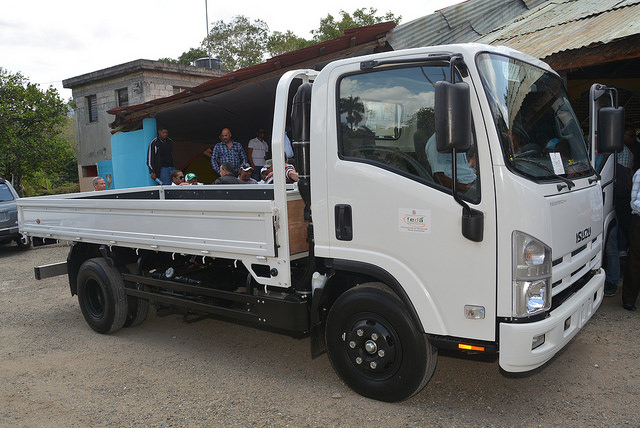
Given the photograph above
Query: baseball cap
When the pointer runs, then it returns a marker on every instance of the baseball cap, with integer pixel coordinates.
(245, 166)
(190, 176)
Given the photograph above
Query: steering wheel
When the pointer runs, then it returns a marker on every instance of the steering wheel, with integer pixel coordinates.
(528, 154)
(419, 169)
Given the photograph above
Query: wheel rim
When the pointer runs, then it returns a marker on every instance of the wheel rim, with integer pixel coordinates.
(94, 299)
(372, 347)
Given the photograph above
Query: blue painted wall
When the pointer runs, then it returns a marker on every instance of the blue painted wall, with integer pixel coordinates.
(105, 170)
(129, 156)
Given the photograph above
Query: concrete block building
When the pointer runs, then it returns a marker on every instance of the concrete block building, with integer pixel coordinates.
(123, 85)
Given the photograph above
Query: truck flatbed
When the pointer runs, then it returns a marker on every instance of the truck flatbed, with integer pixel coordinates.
(228, 221)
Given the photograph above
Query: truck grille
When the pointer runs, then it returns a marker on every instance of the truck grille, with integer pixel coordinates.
(573, 270)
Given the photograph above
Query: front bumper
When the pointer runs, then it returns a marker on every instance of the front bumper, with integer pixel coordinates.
(559, 328)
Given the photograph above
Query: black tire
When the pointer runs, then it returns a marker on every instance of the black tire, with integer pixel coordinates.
(101, 296)
(368, 319)
(23, 242)
(137, 310)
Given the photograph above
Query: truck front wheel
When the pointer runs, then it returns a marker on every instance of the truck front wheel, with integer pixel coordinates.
(101, 296)
(375, 347)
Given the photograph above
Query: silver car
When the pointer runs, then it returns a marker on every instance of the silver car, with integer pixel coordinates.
(9, 216)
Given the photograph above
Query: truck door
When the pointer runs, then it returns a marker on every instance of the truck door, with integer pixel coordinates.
(389, 195)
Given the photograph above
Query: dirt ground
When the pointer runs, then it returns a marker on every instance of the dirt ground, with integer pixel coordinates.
(57, 372)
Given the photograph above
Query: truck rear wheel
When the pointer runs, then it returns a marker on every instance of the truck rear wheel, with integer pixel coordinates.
(375, 347)
(137, 310)
(101, 296)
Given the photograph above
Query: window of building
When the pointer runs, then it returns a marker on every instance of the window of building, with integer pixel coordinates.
(122, 95)
(90, 170)
(92, 106)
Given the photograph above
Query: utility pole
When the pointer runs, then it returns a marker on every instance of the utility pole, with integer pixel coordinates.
(206, 14)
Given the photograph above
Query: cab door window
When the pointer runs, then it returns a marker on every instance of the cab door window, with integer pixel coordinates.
(386, 119)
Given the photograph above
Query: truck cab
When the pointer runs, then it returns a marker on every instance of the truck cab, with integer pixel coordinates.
(384, 203)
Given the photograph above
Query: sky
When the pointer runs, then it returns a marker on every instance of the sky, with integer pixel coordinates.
(49, 41)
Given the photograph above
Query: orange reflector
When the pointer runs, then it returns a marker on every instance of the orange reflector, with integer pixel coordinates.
(470, 347)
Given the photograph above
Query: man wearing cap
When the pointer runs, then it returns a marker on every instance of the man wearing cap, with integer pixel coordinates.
(245, 174)
(192, 179)
(265, 171)
(227, 175)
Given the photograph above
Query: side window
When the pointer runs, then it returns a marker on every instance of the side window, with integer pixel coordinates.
(386, 119)
(122, 97)
(5, 193)
(92, 108)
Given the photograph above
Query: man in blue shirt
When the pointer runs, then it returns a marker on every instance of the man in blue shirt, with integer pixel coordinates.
(228, 150)
(441, 166)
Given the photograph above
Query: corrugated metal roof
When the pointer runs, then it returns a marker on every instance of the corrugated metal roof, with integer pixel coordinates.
(463, 22)
(560, 25)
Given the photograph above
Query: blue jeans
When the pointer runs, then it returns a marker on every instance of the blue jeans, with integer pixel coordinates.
(165, 175)
(612, 270)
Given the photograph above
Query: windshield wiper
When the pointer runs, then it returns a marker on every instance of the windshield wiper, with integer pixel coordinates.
(568, 182)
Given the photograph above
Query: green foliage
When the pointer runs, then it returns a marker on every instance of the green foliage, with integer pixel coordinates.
(239, 43)
(31, 122)
(331, 29)
(280, 43)
(192, 55)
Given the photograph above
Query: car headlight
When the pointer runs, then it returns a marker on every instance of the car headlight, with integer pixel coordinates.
(531, 275)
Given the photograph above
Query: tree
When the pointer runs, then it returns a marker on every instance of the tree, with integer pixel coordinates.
(280, 43)
(354, 108)
(187, 57)
(331, 29)
(238, 44)
(241, 43)
(30, 124)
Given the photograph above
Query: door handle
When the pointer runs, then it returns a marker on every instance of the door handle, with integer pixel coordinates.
(344, 226)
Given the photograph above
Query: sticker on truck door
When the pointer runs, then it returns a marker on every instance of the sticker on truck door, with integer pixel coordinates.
(417, 221)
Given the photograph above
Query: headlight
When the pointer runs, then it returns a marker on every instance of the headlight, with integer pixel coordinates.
(531, 275)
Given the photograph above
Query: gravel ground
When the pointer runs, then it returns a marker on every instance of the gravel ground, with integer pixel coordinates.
(56, 372)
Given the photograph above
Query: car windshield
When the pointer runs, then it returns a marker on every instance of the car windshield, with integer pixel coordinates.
(5, 193)
(538, 130)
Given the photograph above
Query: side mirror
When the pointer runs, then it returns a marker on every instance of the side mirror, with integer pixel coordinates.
(610, 129)
(453, 117)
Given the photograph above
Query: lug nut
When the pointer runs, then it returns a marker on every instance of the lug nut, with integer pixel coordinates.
(381, 353)
(352, 344)
(359, 360)
(374, 336)
(359, 332)
(373, 364)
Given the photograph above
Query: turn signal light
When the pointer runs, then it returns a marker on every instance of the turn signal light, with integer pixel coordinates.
(466, 347)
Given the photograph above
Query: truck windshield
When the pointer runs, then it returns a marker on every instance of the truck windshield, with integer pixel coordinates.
(539, 132)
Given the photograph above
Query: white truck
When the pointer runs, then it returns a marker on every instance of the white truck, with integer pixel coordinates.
(386, 250)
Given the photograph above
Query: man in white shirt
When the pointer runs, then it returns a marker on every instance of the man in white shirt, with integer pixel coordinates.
(258, 149)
